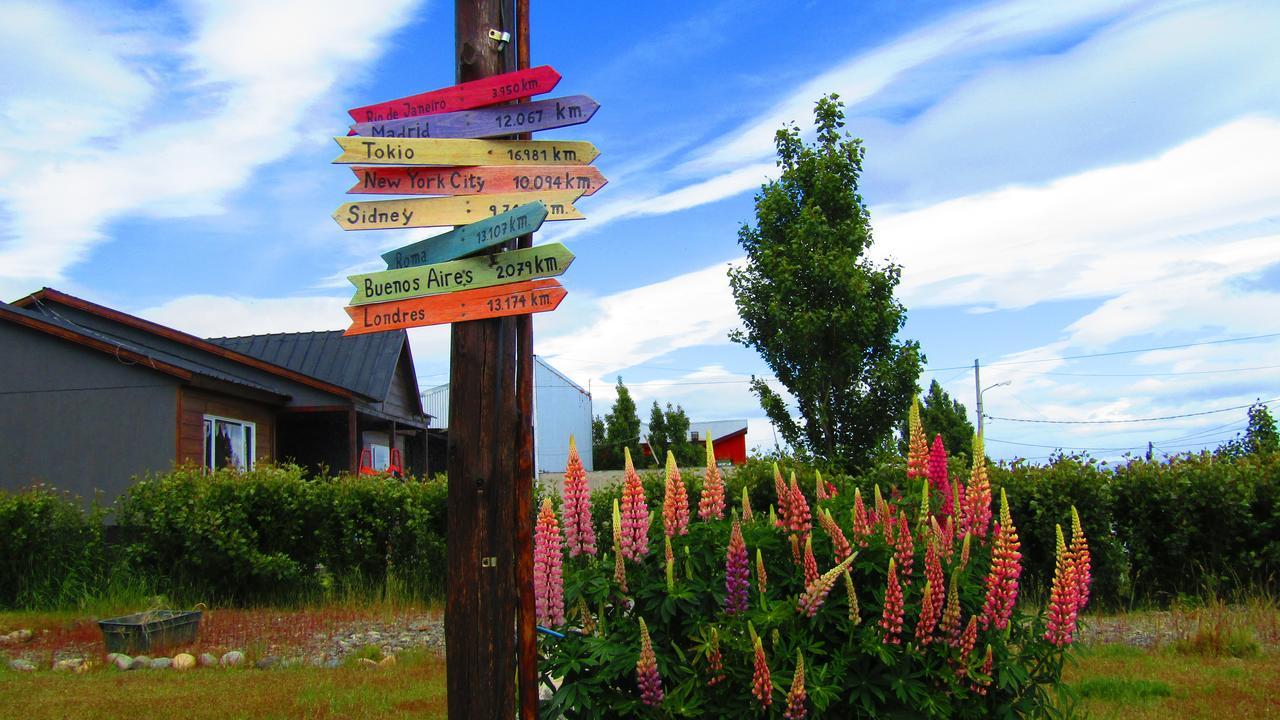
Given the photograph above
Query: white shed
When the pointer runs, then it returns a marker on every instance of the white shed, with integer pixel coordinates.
(560, 408)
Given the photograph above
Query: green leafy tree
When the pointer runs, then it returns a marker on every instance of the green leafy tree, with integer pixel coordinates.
(820, 313)
(1260, 436)
(622, 429)
(940, 414)
(658, 438)
(601, 454)
(669, 430)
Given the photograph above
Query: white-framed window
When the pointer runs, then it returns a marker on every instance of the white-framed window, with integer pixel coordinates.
(228, 443)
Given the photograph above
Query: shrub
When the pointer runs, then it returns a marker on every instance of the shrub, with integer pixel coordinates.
(51, 552)
(675, 618)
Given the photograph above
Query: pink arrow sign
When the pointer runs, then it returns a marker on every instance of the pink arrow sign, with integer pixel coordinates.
(477, 93)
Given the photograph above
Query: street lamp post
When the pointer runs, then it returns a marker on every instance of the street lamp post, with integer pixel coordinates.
(980, 392)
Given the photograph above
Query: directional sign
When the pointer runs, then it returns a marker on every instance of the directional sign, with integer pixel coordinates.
(468, 239)
(475, 180)
(478, 93)
(516, 299)
(487, 122)
(503, 268)
(447, 151)
(457, 210)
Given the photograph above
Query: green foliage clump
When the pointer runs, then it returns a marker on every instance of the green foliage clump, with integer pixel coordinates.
(51, 550)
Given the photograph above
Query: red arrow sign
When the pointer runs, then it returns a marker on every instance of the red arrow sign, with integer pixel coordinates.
(477, 93)
(475, 180)
(514, 299)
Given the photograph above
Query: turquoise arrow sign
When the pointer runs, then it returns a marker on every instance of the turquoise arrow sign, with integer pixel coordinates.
(468, 239)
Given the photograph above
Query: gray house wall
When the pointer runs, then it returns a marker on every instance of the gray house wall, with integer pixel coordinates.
(75, 413)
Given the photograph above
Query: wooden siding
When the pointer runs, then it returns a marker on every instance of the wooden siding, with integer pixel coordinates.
(196, 404)
(402, 397)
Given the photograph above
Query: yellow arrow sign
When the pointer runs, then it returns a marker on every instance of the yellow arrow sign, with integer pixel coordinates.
(444, 151)
(452, 210)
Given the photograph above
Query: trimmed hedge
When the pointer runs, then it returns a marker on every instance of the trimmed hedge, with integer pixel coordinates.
(51, 550)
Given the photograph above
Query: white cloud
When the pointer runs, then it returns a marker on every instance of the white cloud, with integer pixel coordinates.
(219, 316)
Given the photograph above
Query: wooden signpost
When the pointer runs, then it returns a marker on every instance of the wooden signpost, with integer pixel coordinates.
(515, 299)
(475, 180)
(486, 122)
(450, 210)
(468, 239)
(535, 263)
(477, 93)
(446, 151)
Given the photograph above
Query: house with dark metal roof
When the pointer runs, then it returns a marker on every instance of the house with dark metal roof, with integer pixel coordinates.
(91, 398)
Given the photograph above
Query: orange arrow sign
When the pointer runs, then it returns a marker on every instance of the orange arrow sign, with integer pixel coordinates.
(514, 299)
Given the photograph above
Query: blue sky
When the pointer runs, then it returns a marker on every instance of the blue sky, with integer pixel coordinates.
(1056, 179)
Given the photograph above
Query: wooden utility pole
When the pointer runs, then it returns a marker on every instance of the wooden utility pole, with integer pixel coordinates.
(480, 609)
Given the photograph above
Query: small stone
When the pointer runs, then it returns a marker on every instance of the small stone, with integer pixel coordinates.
(140, 663)
(20, 665)
(235, 658)
(208, 660)
(366, 662)
(122, 662)
(83, 668)
(68, 665)
(146, 659)
(161, 663)
(111, 658)
(267, 662)
(18, 637)
(184, 661)
(388, 661)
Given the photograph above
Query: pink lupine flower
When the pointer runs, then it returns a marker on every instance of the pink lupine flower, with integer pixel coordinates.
(819, 488)
(929, 612)
(1081, 560)
(635, 514)
(675, 502)
(988, 664)
(783, 493)
(937, 472)
(762, 577)
(917, 445)
(715, 660)
(761, 684)
(747, 515)
(799, 520)
(968, 639)
(647, 676)
(839, 544)
(619, 566)
(904, 550)
(935, 593)
(1064, 598)
(855, 617)
(711, 504)
(579, 534)
(950, 628)
(548, 556)
(881, 508)
(815, 593)
(861, 523)
(810, 562)
(947, 539)
(737, 572)
(922, 513)
(1006, 567)
(671, 563)
(978, 494)
(959, 511)
(797, 697)
(891, 617)
(964, 552)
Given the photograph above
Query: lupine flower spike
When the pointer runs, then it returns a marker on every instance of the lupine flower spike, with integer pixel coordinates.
(647, 670)
(968, 639)
(810, 562)
(762, 577)
(619, 565)
(891, 617)
(635, 514)
(935, 595)
(1063, 598)
(819, 489)
(796, 697)
(1081, 560)
(855, 616)
(747, 515)
(815, 593)
(1006, 567)
(715, 660)
(548, 557)
(783, 493)
(579, 534)
(980, 687)
(917, 446)
(585, 620)
(964, 552)
(978, 494)
(923, 514)
(861, 523)
(950, 628)
(761, 684)
(929, 613)
(711, 504)
(799, 520)
(675, 502)
(839, 544)
(947, 539)
(904, 550)
(737, 572)
(938, 478)
(881, 509)
(773, 518)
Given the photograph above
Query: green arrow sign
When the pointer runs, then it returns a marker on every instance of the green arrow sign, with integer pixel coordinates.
(544, 261)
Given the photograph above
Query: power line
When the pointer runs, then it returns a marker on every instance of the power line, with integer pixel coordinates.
(1112, 353)
(1130, 420)
(1150, 374)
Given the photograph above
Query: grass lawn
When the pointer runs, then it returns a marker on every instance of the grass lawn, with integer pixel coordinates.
(414, 688)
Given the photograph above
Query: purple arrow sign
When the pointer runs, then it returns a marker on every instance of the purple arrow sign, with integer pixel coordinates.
(488, 121)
